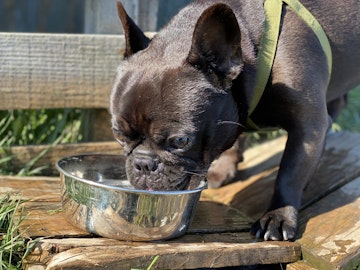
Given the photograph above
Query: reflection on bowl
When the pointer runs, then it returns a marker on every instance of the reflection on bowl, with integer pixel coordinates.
(97, 197)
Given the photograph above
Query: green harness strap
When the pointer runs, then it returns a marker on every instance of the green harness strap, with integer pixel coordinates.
(268, 45)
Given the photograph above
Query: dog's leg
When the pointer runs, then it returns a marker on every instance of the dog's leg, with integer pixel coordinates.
(223, 169)
(296, 102)
(306, 128)
(299, 162)
(335, 106)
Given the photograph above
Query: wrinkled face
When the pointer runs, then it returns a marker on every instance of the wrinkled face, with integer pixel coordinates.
(172, 123)
(171, 104)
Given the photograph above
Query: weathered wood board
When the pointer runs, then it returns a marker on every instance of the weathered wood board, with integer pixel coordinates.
(174, 255)
(32, 187)
(40, 71)
(196, 249)
(300, 265)
(24, 154)
(328, 235)
(330, 229)
(57, 70)
(218, 236)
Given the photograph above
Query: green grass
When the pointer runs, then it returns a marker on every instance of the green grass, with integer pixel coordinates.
(26, 127)
(13, 247)
(349, 118)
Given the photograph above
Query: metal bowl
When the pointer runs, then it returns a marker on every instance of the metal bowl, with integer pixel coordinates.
(97, 197)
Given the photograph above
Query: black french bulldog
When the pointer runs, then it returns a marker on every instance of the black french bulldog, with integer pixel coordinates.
(182, 98)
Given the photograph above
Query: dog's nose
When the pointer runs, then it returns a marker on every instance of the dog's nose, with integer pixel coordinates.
(145, 164)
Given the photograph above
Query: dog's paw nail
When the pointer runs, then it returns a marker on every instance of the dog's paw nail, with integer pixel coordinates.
(285, 235)
(266, 235)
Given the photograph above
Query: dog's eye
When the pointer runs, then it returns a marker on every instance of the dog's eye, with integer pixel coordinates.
(119, 137)
(179, 142)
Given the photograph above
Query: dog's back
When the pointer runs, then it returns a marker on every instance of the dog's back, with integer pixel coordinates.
(341, 22)
(339, 19)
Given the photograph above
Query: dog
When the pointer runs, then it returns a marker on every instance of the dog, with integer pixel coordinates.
(181, 99)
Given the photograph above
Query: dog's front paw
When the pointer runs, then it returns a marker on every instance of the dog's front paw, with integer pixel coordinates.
(277, 224)
(221, 171)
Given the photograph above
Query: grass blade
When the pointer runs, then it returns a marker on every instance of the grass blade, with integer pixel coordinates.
(13, 247)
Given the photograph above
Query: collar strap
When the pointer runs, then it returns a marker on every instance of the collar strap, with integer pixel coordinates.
(268, 45)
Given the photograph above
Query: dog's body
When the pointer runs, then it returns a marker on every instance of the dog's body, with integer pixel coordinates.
(182, 99)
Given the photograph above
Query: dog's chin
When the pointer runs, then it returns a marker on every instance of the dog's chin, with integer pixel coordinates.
(160, 181)
(153, 182)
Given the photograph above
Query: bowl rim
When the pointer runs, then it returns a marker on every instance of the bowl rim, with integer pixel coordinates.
(201, 187)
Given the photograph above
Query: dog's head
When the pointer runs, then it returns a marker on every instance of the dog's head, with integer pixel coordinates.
(172, 107)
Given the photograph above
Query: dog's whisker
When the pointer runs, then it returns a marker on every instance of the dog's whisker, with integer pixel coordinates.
(221, 122)
(195, 173)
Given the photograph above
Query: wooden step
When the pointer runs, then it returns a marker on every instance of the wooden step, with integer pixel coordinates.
(218, 237)
(329, 231)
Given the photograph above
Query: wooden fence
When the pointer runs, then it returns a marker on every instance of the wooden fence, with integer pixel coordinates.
(57, 71)
(40, 71)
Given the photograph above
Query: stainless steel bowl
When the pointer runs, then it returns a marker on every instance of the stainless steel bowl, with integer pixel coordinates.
(96, 197)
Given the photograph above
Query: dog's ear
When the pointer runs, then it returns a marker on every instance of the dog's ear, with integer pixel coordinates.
(134, 38)
(216, 43)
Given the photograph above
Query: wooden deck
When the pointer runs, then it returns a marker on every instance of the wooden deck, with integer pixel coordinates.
(329, 236)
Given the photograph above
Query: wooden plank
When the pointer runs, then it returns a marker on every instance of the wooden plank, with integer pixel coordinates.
(211, 217)
(183, 253)
(175, 255)
(49, 247)
(46, 219)
(250, 197)
(57, 70)
(300, 265)
(40, 189)
(24, 154)
(41, 71)
(261, 157)
(330, 229)
(215, 235)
